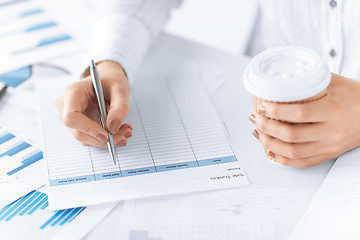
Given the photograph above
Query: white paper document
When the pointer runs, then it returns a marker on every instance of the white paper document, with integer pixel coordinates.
(21, 159)
(334, 212)
(19, 113)
(251, 214)
(29, 217)
(28, 35)
(178, 145)
(21, 167)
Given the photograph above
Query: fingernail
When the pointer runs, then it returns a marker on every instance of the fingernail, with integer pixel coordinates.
(271, 155)
(252, 118)
(122, 141)
(262, 110)
(114, 126)
(127, 125)
(128, 134)
(101, 138)
(255, 133)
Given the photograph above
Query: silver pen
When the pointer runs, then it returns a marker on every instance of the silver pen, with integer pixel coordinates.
(101, 101)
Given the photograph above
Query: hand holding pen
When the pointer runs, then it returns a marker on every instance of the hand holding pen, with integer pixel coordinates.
(79, 111)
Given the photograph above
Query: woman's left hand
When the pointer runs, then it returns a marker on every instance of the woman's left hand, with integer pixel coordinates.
(326, 127)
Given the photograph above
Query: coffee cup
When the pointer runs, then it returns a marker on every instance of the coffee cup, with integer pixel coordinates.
(287, 74)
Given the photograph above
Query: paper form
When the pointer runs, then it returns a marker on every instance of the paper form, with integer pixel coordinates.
(29, 218)
(178, 145)
(251, 214)
(334, 212)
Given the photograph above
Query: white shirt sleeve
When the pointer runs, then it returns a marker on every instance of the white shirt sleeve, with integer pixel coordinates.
(129, 28)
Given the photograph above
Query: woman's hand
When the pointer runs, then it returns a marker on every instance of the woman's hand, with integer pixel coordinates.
(79, 111)
(327, 127)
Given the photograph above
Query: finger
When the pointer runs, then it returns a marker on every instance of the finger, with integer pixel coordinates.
(292, 133)
(125, 130)
(59, 103)
(74, 103)
(127, 125)
(80, 122)
(119, 108)
(120, 141)
(293, 150)
(303, 162)
(315, 111)
(86, 139)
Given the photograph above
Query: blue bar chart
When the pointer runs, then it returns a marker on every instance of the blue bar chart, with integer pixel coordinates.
(40, 26)
(34, 202)
(14, 150)
(5, 136)
(20, 167)
(43, 24)
(15, 155)
(46, 37)
(17, 77)
(29, 217)
(30, 12)
(27, 162)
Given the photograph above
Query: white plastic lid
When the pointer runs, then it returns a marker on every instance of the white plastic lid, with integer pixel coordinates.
(286, 74)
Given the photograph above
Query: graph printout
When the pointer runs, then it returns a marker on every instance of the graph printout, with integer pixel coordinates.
(178, 145)
(29, 35)
(21, 167)
(29, 217)
(231, 214)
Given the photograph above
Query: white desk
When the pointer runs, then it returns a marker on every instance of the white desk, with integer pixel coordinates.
(171, 54)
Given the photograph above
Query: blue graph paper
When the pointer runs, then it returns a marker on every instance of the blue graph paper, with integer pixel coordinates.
(37, 201)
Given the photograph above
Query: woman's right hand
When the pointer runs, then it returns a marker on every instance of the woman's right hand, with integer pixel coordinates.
(79, 111)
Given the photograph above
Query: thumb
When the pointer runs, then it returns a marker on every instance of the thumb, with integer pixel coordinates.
(119, 108)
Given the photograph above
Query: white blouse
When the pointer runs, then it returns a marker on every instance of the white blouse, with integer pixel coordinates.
(329, 27)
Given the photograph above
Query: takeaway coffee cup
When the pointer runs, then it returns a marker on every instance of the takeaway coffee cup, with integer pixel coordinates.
(287, 75)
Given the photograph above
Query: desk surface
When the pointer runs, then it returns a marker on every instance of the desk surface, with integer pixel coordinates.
(171, 54)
